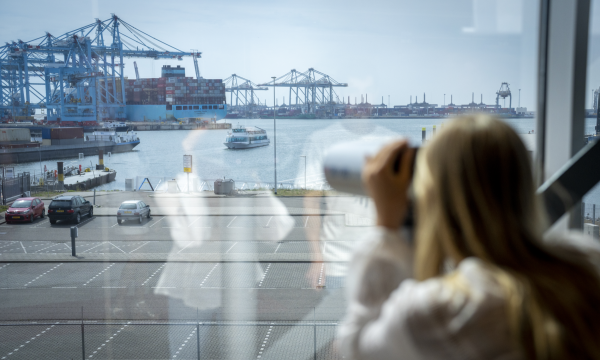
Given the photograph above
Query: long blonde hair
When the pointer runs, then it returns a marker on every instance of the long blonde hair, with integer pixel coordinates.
(475, 196)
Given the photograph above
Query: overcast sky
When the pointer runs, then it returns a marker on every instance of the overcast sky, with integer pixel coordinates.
(397, 48)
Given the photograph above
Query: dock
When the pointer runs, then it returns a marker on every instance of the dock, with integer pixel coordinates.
(89, 180)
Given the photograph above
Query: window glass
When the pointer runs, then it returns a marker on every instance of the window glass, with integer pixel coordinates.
(21, 204)
(227, 265)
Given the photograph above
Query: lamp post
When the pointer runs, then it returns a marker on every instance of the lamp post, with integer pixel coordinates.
(274, 136)
(304, 156)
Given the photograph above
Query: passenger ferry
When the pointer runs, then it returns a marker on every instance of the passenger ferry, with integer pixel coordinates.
(241, 137)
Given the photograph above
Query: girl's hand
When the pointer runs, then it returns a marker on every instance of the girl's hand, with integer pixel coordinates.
(389, 190)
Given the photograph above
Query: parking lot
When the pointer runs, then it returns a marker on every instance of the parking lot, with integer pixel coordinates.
(220, 279)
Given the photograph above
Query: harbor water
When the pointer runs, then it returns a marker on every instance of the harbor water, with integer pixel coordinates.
(160, 153)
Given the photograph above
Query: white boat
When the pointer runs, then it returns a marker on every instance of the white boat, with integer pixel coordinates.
(124, 142)
(242, 137)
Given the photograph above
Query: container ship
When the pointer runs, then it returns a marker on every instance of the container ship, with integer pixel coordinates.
(171, 97)
(174, 97)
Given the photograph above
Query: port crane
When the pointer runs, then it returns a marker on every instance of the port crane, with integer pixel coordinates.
(310, 89)
(243, 90)
(503, 93)
(78, 77)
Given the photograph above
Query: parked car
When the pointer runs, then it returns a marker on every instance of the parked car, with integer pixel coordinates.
(25, 209)
(133, 210)
(69, 207)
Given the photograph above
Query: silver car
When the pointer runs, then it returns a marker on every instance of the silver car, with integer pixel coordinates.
(133, 210)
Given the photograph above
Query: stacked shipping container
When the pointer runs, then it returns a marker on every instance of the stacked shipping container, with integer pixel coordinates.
(175, 91)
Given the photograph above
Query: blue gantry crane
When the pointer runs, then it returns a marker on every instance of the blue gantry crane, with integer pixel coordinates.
(78, 77)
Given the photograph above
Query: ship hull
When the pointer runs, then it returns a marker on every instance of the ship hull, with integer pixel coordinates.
(160, 113)
(24, 155)
(240, 146)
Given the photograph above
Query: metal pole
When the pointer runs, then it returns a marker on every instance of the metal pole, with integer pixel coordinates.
(188, 180)
(314, 336)
(82, 337)
(94, 197)
(61, 176)
(423, 135)
(594, 214)
(197, 334)
(304, 156)
(73, 236)
(274, 136)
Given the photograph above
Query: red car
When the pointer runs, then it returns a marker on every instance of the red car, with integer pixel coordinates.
(25, 209)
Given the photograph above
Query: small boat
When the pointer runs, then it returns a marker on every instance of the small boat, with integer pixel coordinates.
(241, 137)
(116, 126)
(120, 142)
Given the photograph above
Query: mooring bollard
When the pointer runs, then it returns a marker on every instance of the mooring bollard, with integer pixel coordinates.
(74, 233)
(423, 135)
(433, 131)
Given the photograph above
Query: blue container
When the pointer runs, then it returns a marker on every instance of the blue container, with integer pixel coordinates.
(46, 133)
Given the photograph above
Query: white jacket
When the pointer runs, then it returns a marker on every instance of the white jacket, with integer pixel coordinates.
(391, 316)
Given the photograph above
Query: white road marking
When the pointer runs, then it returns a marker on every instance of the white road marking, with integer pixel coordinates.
(306, 222)
(93, 247)
(114, 225)
(231, 247)
(277, 248)
(20, 242)
(28, 341)
(9, 244)
(263, 345)
(232, 220)
(210, 272)
(159, 220)
(108, 340)
(4, 266)
(321, 275)
(154, 273)
(184, 343)
(48, 247)
(64, 287)
(42, 274)
(137, 248)
(40, 224)
(100, 273)
(193, 222)
(268, 222)
(117, 247)
(189, 243)
(264, 275)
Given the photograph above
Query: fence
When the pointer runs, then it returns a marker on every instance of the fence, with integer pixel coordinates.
(155, 183)
(15, 187)
(177, 338)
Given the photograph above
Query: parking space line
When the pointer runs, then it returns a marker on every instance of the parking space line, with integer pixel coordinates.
(157, 221)
(232, 220)
(48, 247)
(94, 247)
(194, 221)
(184, 343)
(264, 343)
(100, 273)
(210, 272)
(109, 339)
(20, 242)
(28, 341)
(268, 222)
(117, 247)
(115, 225)
(277, 247)
(321, 275)
(137, 248)
(230, 248)
(154, 273)
(9, 244)
(42, 275)
(306, 222)
(41, 223)
(264, 275)
(189, 243)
